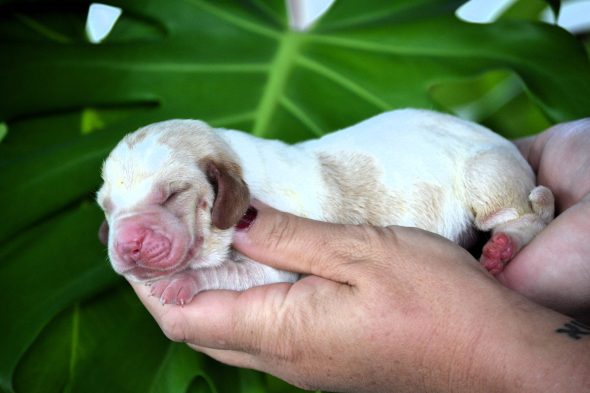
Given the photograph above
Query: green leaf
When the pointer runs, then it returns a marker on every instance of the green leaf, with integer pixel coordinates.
(530, 9)
(235, 64)
(3, 131)
(555, 6)
(88, 348)
(48, 268)
(495, 99)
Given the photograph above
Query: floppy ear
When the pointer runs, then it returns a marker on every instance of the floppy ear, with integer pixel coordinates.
(232, 197)
(103, 233)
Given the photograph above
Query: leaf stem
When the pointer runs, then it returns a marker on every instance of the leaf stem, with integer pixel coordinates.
(280, 68)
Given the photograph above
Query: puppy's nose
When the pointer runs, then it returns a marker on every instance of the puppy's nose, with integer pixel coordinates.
(131, 249)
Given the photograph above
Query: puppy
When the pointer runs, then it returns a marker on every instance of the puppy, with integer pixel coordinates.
(174, 190)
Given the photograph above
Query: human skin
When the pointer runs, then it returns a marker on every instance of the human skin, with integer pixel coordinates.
(554, 270)
(400, 309)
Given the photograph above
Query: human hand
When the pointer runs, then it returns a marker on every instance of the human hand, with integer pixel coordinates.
(382, 309)
(554, 269)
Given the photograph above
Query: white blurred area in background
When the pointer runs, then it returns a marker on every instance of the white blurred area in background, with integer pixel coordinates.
(101, 20)
(574, 15)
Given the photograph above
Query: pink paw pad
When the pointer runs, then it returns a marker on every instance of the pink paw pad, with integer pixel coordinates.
(497, 252)
(179, 289)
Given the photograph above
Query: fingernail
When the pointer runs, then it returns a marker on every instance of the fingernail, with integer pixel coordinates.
(247, 219)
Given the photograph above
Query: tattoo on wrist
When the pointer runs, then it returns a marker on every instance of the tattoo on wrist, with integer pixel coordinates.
(574, 329)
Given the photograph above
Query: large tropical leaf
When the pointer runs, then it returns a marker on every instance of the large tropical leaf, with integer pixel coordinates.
(68, 323)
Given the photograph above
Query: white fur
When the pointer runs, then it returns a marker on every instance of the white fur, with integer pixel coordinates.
(409, 146)
(131, 179)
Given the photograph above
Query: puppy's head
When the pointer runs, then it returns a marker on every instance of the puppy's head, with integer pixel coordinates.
(171, 191)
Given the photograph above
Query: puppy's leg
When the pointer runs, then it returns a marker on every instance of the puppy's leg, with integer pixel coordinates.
(510, 236)
(499, 185)
(231, 275)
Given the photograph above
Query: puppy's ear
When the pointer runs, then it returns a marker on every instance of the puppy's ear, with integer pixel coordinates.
(103, 233)
(232, 197)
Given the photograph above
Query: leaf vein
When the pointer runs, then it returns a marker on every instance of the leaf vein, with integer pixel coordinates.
(243, 68)
(43, 29)
(75, 342)
(300, 114)
(234, 20)
(344, 82)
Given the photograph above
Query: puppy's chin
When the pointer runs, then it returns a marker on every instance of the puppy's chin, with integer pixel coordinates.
(146, 273)
(140, 274)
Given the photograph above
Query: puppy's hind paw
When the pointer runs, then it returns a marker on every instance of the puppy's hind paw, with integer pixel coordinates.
(497, 252)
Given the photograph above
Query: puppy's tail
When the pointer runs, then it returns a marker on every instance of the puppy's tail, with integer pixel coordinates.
(542, 203)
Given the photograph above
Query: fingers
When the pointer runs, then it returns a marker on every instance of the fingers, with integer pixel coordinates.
(224, 320)
(226, 324)
(525, 145)
(292, 243)
(532, 147)
(232, 358)
(552, 269)
(578, 125)
(205, 320)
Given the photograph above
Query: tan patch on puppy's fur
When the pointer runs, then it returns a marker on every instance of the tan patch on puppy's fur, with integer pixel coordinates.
(357, 196)
(495, 181)
(427, 205)
(135, 138)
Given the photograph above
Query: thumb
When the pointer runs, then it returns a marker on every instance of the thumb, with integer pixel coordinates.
(301, 245)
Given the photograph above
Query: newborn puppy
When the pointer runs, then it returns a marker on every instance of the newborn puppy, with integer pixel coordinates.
(174, 190)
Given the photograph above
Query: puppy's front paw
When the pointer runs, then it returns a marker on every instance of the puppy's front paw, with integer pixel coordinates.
(178, 289)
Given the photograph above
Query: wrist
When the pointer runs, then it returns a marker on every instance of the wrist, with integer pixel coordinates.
(519, 349)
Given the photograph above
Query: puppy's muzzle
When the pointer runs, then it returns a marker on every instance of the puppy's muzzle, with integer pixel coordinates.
(143, 247)
(148, 242)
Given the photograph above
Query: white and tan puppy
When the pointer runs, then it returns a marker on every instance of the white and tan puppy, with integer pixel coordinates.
(174, 190)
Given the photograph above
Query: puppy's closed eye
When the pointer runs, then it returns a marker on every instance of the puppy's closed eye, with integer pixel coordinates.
(172, 192)
(172, 197)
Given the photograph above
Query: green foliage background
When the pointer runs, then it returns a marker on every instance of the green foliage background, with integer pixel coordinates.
(67, 322)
